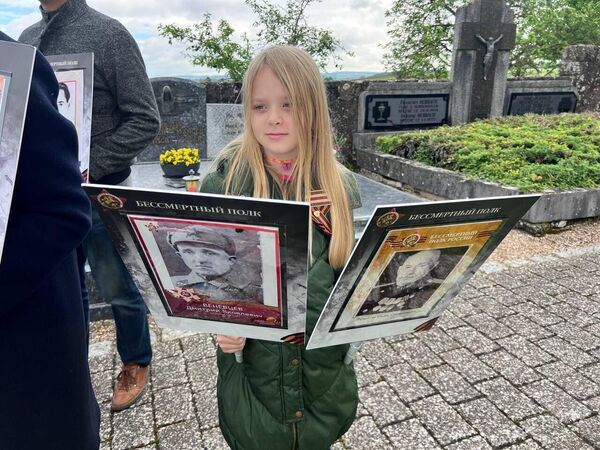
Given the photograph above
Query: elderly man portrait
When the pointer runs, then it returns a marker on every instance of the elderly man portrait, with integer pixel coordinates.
(405, 286)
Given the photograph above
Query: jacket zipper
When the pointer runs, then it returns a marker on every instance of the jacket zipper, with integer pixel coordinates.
(295, 441)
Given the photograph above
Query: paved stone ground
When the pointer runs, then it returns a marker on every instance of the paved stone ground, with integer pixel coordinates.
(513, 364)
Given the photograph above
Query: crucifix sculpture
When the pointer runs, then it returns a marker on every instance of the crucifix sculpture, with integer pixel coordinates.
(488, 58)
(484, 35)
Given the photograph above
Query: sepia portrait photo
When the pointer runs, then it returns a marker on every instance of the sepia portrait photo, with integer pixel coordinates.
(212, 270)
(410, 273)
(410, 279)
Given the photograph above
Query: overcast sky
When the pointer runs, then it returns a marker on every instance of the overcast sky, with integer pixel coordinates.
(359, 24)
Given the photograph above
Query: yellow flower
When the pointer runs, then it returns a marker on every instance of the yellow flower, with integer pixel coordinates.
(183, 155)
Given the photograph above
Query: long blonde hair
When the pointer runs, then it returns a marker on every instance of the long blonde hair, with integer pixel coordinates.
(316, 166)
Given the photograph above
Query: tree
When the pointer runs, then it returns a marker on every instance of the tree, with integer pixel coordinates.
(216, 46)
(547, 27)
(420, 37)
(421, 33)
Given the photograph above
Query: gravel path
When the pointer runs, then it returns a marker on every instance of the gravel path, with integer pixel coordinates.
(519, 246)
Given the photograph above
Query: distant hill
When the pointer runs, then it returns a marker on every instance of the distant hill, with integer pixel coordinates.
(382, 76)
(343, 75)
(203, 77)
(347, 75)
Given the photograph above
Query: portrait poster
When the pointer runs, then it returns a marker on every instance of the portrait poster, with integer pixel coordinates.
(212, 263)
(16, 68)
(75, 76)
(410, 263)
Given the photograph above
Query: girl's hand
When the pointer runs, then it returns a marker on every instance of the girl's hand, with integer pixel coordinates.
(230, 344)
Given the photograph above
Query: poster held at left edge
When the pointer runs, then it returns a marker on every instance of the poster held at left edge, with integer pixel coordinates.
(212, 263)
(16, 68)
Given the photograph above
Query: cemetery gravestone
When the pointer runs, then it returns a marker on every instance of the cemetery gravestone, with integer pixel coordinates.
(484, 34)
(225, 121)
(182, 107)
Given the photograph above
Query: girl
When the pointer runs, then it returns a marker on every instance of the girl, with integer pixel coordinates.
(282, 396)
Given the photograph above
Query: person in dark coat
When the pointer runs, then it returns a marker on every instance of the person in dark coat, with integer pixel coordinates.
(125, 120)
(46, 396)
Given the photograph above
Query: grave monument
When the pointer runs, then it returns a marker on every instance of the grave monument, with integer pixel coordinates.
(484, 35)
(182, 107)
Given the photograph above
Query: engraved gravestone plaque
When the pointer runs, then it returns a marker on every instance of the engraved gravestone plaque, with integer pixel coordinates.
(399, 112)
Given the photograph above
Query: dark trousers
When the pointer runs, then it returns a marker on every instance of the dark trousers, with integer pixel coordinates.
(116, 286)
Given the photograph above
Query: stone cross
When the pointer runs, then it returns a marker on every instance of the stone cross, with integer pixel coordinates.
(484, 34)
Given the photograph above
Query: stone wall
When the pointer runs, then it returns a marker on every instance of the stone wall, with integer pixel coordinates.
(582, 64)
(343, 103)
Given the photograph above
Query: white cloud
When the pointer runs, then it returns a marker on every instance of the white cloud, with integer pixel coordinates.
(359, 24)
(16, 26)
(18, 3)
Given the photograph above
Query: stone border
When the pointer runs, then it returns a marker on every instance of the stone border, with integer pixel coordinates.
(553, 206)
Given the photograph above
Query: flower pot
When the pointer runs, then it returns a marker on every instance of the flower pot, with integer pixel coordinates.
(179, 170)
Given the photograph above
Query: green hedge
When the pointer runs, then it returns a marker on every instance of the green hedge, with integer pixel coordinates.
(532, 152)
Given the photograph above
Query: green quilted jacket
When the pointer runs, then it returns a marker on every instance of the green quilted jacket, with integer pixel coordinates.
(283, 396)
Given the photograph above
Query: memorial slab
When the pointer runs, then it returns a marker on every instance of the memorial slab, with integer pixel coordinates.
(551, 96)
(542, 103)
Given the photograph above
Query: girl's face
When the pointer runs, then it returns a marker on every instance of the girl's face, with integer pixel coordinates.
(271, 116)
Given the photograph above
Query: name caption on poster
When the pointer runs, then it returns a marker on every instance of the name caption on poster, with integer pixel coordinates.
(468, 212)
(207, 209)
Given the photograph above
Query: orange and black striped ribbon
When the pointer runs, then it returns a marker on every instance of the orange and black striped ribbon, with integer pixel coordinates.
(297, 338)
(427, 325)
(320, 206)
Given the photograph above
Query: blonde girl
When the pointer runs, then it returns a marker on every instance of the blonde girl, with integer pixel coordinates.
(283, 396)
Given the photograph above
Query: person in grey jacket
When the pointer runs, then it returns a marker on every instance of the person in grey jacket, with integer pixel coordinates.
(124, 121)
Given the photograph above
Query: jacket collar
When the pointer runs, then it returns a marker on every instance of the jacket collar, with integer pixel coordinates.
(67, 13)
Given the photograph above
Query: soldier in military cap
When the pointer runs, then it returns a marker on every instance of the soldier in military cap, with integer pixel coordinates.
(210, 255)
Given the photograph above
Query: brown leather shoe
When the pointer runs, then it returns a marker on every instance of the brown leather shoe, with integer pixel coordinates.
(130, 386)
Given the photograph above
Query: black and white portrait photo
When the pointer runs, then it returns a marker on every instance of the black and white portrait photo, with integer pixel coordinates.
(75, 75)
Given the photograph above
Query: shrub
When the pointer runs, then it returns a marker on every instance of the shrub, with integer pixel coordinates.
(531, 152)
